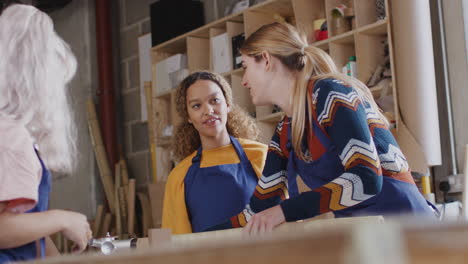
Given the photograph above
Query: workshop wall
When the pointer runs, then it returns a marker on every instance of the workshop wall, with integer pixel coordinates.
(81, 191)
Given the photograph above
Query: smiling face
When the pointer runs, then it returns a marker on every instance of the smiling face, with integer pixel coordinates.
(207, 109)
(256, 80)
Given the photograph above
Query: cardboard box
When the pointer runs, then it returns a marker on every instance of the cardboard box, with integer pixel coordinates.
(165, 68)
(221, 53)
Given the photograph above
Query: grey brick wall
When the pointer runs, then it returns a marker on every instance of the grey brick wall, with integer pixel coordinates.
(134, 21)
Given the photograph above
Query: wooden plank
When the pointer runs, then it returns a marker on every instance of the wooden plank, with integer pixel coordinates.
(98, 220)
(151, 129)
(156, 195)
(118, 213)
(324, 243)
(159, 236)
(123, 170)
(411, 149)
(123, 209)
(306, 12)
(131, 207)
(198, 53)
(99, 150)
(106, 225)
(311, 225)
(147, 221)
(431, 243)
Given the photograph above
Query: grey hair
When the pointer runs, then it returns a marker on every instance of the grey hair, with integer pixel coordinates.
(35, 67)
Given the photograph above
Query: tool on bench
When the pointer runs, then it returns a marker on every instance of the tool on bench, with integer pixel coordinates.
(109, 244)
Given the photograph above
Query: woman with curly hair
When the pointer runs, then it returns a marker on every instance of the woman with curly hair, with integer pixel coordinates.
(221, 162)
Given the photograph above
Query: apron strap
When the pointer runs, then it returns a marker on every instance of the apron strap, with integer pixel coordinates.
(293, 190)
(197, 158)
(239, 150)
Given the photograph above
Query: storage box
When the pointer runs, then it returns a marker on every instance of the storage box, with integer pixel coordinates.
(164, 69)
(237, 42)
(177, 77)
(176, 62)
(221, 53)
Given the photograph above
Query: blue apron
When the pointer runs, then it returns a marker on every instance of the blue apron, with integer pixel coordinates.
(214, 194)
(396, 197)
(28, 251)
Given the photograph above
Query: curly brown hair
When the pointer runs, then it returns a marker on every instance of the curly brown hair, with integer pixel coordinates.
(186, 138)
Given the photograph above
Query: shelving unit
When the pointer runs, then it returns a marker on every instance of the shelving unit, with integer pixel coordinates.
(364, 41)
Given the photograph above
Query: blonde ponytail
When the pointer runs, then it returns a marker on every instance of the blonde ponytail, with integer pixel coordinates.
(310, 63)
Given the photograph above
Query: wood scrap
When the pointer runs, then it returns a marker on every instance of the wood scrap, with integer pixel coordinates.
(151, 131)
(158, 236)
(146, 213)
(99, 150)
(66, 245)
(98, 220)
(292, 227)
(156, 195)
(412, 150)
(123, 209)
(118, 215)
(124, 172)
(106, 225)
(131, 207)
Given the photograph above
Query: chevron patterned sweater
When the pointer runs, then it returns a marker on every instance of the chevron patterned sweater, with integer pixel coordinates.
(366, 148)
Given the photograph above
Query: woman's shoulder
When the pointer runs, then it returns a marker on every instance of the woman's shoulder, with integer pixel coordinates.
(251, 144)
(14, 135)
(183, 165)
(328, 85)
(253, 148)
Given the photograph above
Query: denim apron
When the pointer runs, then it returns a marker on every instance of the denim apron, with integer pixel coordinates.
(28, 251)
(214, 194)
(396, 196)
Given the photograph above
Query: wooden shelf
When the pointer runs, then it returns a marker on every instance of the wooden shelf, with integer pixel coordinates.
(165, 95)
(281, 7)
(323, 44)
(377, 28)
(365, 42)
(238, 72)
(375, 90)
(202, 32)
(273, 118)
(345, 38)
(163, 141)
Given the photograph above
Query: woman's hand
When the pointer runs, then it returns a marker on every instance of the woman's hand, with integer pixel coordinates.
(76, 228)
(265, 221)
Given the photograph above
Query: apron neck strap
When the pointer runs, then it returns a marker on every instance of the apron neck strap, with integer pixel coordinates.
(237, 147)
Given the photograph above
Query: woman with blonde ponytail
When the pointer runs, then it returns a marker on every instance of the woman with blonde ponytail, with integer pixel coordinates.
(333, 136)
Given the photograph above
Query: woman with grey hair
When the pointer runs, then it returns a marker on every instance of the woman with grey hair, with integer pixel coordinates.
(37, 134)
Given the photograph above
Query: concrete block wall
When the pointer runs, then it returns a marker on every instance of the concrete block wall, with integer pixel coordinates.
(134, 21)
(82, 190)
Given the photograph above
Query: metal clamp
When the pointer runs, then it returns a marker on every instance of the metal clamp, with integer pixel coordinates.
(109, 244)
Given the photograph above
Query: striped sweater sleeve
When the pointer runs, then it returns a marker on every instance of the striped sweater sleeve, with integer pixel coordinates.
(342, 115)
(272, 185)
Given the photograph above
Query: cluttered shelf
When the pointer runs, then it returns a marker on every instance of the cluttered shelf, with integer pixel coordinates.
(203, 32)
(357, 47)
(238, 72)
(273, 118)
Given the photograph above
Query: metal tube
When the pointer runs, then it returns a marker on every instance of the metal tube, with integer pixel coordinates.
(448, 98)
(106, 80)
